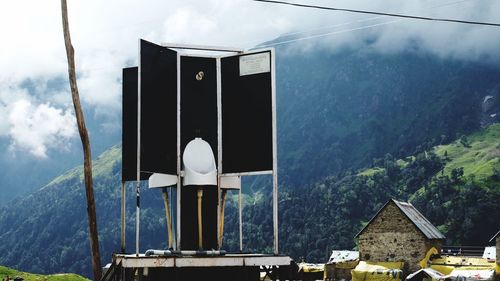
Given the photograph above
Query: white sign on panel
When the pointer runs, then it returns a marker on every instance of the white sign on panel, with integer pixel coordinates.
(254, 64)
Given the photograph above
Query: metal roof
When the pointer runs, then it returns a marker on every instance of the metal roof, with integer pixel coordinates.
(343, 256)
(422, 224)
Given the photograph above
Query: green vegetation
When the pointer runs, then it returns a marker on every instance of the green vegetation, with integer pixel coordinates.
(327, 214)
(5, 271)
(480, 156)
(370, 172)
(338, 112)
(347, 123)
(100, 167)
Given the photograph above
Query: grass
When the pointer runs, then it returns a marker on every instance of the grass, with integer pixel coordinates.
(479, 156)
(370, 172)
(103, 165)
(5, 271)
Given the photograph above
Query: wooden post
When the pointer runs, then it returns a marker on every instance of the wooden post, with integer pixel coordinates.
(87, 158)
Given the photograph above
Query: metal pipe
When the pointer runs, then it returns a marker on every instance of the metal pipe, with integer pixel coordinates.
(123, 223)
(167, 215)
(200, 219)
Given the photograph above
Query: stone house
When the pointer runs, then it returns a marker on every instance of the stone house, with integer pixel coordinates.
(496, 238)
(398, 232)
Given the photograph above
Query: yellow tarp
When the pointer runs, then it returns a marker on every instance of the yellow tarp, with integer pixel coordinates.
(377, 271)
(311, 267)
(447, 264)
(424, 263)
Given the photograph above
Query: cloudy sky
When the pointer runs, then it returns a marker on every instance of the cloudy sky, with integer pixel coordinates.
(36, 114)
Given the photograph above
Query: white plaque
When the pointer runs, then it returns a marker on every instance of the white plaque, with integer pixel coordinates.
(254, 64)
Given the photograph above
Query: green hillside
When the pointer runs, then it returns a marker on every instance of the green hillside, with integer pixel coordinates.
(478, 154)
(101, 167)
(5, 271)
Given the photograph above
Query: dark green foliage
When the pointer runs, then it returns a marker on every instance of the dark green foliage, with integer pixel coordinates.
(465, 209)
(318, 218)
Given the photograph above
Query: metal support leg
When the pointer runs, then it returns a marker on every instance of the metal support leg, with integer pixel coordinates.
(241, 221)
(123, 221)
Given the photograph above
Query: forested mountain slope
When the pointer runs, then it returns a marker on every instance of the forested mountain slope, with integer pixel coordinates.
(338, 111)
(344, 119)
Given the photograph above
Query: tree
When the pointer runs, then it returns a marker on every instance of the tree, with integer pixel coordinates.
(84, 136)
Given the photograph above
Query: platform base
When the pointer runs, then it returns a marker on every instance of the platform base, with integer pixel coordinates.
(228, 267)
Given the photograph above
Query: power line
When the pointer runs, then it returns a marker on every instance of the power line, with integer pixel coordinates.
(370, 19)
(326, 34)
(378, 13)
(344, 30)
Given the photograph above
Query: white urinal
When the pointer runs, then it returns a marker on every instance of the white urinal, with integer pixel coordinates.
(199, 164)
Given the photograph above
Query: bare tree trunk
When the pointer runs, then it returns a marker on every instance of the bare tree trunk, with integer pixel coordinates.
(87, 158)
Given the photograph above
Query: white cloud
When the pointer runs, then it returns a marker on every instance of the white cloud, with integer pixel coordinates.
(8, 96)
(32, 125)
(105, 35)
(38, 128)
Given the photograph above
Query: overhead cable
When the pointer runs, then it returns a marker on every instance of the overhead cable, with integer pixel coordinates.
(325, 34)
(379, 13)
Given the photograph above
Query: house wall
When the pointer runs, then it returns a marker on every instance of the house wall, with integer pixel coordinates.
(391, 236)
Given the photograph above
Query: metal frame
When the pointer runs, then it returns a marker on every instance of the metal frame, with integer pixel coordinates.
(138, 181)
(275, 153)
(256, 173)
(202, 47)
(219, 142)
(179, 176)
(274, 171)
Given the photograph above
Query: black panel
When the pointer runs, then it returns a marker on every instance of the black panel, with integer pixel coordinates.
(189, 218)
(129, 124)
(247, 143)
(199, 101)
(158, 109)
(198, 119)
